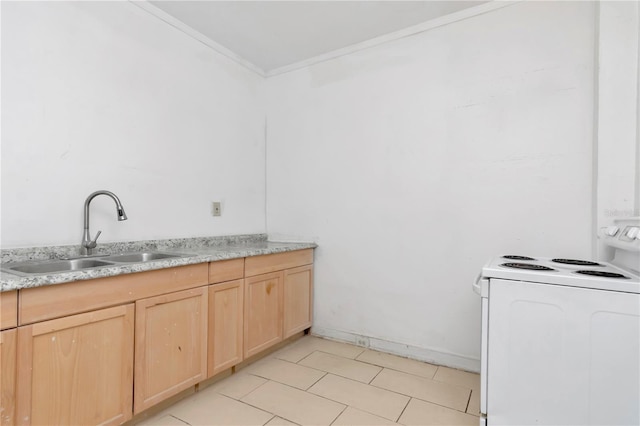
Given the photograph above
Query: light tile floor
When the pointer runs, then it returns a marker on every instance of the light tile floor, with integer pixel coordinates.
(315, 381)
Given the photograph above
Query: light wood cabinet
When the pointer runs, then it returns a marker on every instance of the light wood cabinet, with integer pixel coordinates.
(298, 299)
(226, 319)
(277, 262)
(54, 301)
(8, 309)
(101, 350)
(171, 345)
(76, 369)
(8, 341)
(278, 298)
(226, 270)
(262, 312)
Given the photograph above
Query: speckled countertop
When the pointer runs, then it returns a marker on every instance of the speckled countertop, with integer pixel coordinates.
(196, 250)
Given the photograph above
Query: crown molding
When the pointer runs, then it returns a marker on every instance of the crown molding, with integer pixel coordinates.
(396, 35)
(181, 26)
(377, 41)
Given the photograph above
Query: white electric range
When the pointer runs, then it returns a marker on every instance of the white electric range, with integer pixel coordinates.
(561, 337)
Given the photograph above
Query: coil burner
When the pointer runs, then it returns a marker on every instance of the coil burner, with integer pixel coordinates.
(603, 274)
(577, 262)
(514, 257)
(527, 266)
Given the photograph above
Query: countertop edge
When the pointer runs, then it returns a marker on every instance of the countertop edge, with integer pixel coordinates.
(10, 282)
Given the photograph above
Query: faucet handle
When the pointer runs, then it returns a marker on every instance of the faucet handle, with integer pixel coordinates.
(94, 242)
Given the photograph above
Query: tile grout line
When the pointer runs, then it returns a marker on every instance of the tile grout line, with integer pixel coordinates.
(273, 417)
(304, 357)
(329, 372)
(179, 419)
(299, 390)
(403, 410)
(427, 378)
(361, 409)
(253, 390)
(374, 377)
(262, 409)
(437, 367)
(325, 373)
(338, 375)
(334, 420)
(406, 372)
(424, 400)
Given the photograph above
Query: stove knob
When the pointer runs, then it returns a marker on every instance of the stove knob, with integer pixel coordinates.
(633, 232)
(612, 230)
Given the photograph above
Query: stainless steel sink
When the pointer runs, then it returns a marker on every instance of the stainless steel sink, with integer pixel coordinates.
(67, 265)
(45, 267)
(139, 257)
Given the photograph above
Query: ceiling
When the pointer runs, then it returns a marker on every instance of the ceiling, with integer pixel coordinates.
(275, 34)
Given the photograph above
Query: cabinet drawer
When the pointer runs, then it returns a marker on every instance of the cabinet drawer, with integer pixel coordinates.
(8, 309)
(276, 262)
(226, 270)
(54, 301)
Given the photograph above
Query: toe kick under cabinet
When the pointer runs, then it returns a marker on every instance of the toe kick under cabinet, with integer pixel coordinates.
(78, 350)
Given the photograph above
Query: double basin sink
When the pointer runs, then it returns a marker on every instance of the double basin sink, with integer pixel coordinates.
(67, 265)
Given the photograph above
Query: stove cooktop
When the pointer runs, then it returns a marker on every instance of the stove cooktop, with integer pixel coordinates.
(562, 271)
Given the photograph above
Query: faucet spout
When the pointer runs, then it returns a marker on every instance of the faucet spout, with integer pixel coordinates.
(89, 244)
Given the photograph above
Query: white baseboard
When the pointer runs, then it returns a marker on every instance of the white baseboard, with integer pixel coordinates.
(432, 356)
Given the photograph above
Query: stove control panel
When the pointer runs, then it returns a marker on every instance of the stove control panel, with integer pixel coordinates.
(625, 234)
(630, 233)
(611, 230)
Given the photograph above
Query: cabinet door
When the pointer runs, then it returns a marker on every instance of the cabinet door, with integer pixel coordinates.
(263, 312)
(77, 369)
(7, 377)
(8, 309)
(298, 299)
(171, 345)
(225, 325)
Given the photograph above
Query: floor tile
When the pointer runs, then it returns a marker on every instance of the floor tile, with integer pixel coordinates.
(279, 421)
(394, 362)
(362, 396)
(458, 377)
(215, 409)
(425, 413)
(340, 366)
(238, 385)
(285, 372)
(163, 420)
(474, 403)
(446, 394)
(308, 344)
(293, 404)
(354, 417)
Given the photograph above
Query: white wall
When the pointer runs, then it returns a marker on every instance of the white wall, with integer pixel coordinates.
(103, 95)
(414, 162)
(410, 163)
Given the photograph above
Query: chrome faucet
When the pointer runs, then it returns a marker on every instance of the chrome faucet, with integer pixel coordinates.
(87, 243)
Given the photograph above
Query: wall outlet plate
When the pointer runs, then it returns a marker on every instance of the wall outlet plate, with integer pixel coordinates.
(216, 208)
